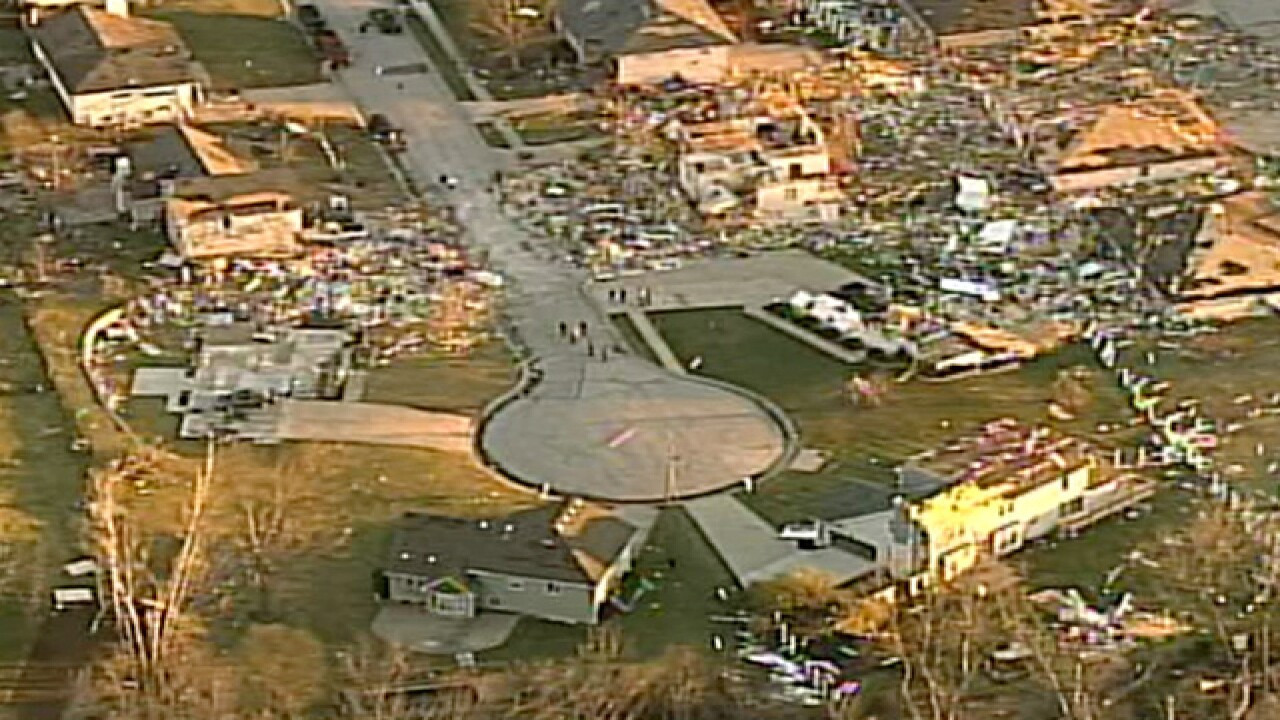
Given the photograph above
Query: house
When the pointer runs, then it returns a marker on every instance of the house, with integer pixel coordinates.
(249, 215)
(995, 491)
(962, 24)
(1163, 136)
(771, 161)
(560, 562)
(111, 70)
(648, 41)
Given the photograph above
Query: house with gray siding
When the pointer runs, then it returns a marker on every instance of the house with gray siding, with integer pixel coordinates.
(559, 562)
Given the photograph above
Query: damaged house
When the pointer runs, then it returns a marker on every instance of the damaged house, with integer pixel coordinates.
(253, 215)
(1233, 267)
(772, 163)
(1164, 135)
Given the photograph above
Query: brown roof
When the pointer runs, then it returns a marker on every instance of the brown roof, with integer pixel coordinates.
(1242, 248)
(96, 51)
(545, 543)
(1167, 126)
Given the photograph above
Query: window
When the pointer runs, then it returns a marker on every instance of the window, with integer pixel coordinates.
(1075, 507)
(493, 601)
(553, 588)
(790, 194)
(1066, 482)
(515, 585)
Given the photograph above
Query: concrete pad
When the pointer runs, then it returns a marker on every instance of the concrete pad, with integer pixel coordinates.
(808, 460)
(305, 102)
(417, 630)
(159, 382)
(751, 549)
(373, 424)
(730, 282)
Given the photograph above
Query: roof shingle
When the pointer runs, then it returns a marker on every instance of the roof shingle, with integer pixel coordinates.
(95, 51)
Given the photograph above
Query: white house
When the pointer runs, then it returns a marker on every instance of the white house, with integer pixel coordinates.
(111, 70)
(772, 158)
(649, 41)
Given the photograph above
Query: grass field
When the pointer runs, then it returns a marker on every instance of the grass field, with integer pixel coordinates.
(1228, 372)
(266, 51)
(364, 177)
(865, 443)
(492, 137)
(341, 499)
(549, 128)
(40, 482)
(448, 384)
(13, 42)
(449, 72)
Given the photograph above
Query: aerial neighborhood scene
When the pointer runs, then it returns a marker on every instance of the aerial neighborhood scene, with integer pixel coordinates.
(640, 359)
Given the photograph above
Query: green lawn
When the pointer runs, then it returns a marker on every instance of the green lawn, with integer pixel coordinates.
(40, 483)
(549, 128)
(365, 176)
(631, 335)
(246, 51)
(449, 384)
(1084, 561)
(449, 72)
(1230, 372)
(13, 42)
(865, 443)
(686, 572)
(491, 136)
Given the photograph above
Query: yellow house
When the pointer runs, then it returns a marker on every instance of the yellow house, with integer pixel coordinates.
(1004, 486)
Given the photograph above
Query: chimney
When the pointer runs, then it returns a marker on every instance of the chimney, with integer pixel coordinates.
(119, 8)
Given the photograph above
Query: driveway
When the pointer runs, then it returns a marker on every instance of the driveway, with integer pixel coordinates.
(374, 424)
(617, 430)
(417, 630)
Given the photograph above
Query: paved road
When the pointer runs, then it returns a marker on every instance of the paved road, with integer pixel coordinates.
(617, 430)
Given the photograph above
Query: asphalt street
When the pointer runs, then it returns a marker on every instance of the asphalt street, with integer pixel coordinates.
(615, 429)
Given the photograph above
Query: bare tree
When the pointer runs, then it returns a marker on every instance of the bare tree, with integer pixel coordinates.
(511, 24)
(151, 674)
(1221, 573)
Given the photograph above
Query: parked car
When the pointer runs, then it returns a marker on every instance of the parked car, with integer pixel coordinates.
(382, 131)
(386, 21)
(310, 17)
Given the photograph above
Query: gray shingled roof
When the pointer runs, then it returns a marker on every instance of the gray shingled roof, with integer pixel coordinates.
(95, 51)
(621, 27)
(525, 544)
